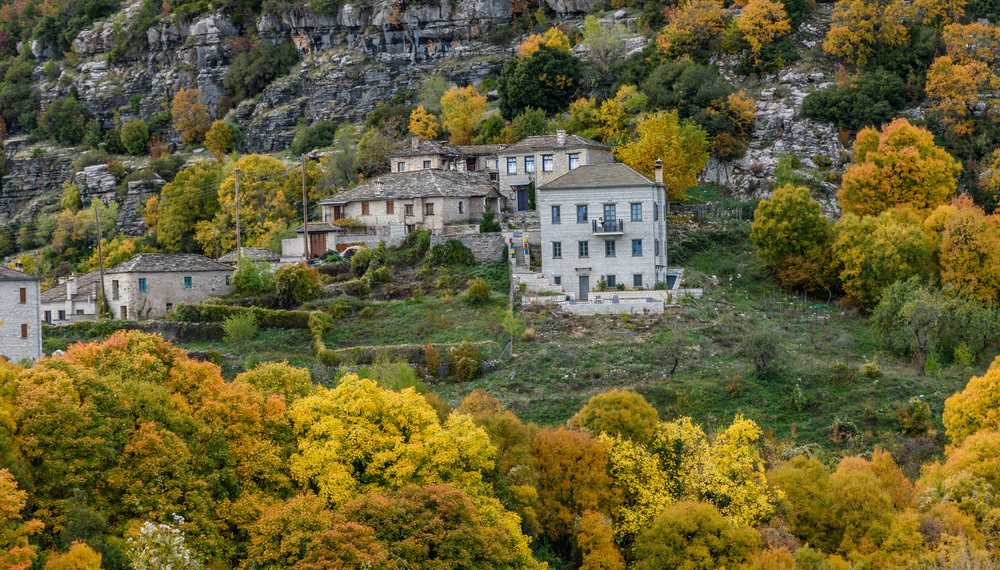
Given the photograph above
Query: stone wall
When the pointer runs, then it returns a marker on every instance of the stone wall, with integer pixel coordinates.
(485, 247)
(15, 314)
(631, 307)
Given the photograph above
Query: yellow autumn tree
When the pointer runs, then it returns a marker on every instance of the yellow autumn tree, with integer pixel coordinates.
(975, 409)
(939, 12)
(219, 140)
(461, 112)
(553, 39)
(740, 110)
(972, 42)
(190, 114)
(616, 115)
(15, 551)
(969, 258)
(861, 27)
(595, 538)
(423, 124)
(957, 89)
(78, 557)
(761, 22)
(646, 488)
(897, 166)
(683, 148)
(989, 178)
(692, 27)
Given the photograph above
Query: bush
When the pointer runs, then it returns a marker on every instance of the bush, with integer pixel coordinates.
(914, 417)
(250, 72)
(452, 253)
(267, 318)
(414, 247)
(253, 278)
(479, 291)
(464, 361)
(367, 257)
(760, 347)
(413, 353)
(868, 101)
(295, 284)
(239, 328)
(317, 136)
(344, 306)
(841, 374)
(135, 136)
(65, 121)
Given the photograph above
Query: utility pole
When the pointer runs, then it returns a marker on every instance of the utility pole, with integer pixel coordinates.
(239, 243)
(215, 240)
(305, 210)
(100, 261)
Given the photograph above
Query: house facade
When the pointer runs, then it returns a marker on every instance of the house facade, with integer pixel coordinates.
(20, 315)
(73, 299)
(543, 159)
(423, 199)
(441, 155)
(603, 222)
(150, 284)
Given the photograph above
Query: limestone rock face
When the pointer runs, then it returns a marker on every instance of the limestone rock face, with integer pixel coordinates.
(570, 6)
(29, 177)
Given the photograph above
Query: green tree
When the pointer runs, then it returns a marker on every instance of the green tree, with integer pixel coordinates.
(808, 503)
(792, 236)
(869, 100)
(192, 197)
(64, 121)
(252, 71)
(690, 535)
(296, 283)
(135, 136)
(546, 80)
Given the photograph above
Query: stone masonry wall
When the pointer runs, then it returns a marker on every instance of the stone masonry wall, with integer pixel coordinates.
(485, 247)
(14, 313)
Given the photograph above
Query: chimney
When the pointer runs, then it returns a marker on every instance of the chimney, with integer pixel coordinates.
(415, 142)
(561, 137)
(19, 266)
(658, 169)
(70, 287)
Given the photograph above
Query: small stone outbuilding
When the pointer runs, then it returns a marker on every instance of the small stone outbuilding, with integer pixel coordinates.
(73, 299)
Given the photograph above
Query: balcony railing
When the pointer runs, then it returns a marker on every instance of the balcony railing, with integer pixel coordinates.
(609, 227)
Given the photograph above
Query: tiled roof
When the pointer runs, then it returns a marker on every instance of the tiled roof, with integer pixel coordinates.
(598, 176)
(8, 274)
(541, 142)
(251, 253)
(86, 288)
(168, 262)
(319, 227)
(427, 183)
(446, 148)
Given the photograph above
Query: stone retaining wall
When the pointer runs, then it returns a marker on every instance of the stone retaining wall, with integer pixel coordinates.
(631, 307)
(485, 247)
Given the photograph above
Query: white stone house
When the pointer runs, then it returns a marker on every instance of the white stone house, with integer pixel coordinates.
(442, 155)
(20, 315)
(73, 299)
(542, 159)
(150, 284)
(422, 199)
(603, 221)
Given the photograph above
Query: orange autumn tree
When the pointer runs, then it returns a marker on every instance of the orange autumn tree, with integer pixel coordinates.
(15, 552)
(972, 42)
(968, 256)
(761, 22)
(897, 166)
(461, 112)
(423, 124)
(691, 28)
(958, 89)
(191, 117)
(861, 27)
(939, 12)
(553, 39)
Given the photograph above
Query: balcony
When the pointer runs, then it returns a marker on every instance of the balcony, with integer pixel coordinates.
(609, 227)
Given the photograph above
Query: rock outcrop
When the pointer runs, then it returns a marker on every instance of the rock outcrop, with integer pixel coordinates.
(29, 185)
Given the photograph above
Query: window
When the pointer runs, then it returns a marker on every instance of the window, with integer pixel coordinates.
(609, 247)
(429, 209)
(460, 207)
(637, 247)
(400, 167)
(24, 330)
(187, 283)
(574, 160)
(512, 165)
(529, 164)
(656, 212)
(114, 289)
(408, 209)
(390, 207)
(609, 213)
(79, 311)
(637, 280)
(123, 310)
(610, 281)
(364, 209)
(48, 316)
(62, 315)
(557, 280)
(142, 284)
(656, 247)
(427, 164)
(24, 294)
(227, 280)
(584, 248)
(556, 217)
(581, 213)
(170, 307)
(557, 249)
(637, 212)
(546, 163)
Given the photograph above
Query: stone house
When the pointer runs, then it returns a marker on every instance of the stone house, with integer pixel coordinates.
(150, 284)
(603, 221)
(428, 199)
(542, 159)
(322, 238)
(73, 299)
(442, 155)
(20, 315)
(255, 254)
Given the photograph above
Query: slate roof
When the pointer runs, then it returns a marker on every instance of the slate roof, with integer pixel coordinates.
(8, 274)
(599, 176)
(543, 142)
(428, 183)
(319, 227)
(253, 254)
(447, 149)
(86, 287)
(168, 263)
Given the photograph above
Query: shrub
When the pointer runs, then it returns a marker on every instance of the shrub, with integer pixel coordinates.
(344, 306)
(251, 71)
(432, 358)
(464, 361)
(479, 291)
(217, 313)
(239, 328)
(253, 278)
(135, 136)
(528, 335)
(452, 252)
(317, 136)
(871, 370)
(415, 353)
(621, 413)
(366, 256)
(414, 247)
(841, 374)
(760, 347)
(914, 417)
(295, 284)
(65, 121)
